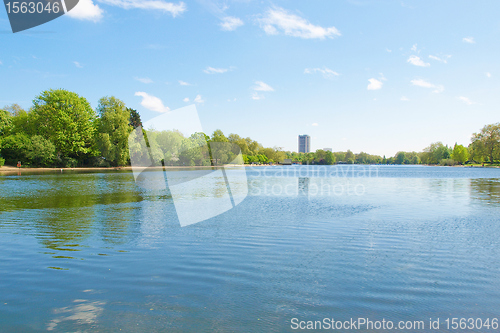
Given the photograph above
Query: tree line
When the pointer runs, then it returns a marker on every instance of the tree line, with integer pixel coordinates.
(61, 129)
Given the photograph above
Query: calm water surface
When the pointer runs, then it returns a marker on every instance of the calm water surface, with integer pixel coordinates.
(96, 253)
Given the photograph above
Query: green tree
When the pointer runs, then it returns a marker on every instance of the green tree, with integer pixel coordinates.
(486, 143)
(400, 158)
(68, 121)
(460, 154)
(114, 129)
(434, 153)
(135, 118)
(15, 148)
(41, 152)
(5, 122)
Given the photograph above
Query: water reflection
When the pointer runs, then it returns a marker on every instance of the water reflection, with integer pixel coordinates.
(83, 312)
(485, 191)
(304, 186)
(64, 211)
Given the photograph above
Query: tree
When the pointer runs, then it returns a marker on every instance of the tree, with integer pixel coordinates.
(218, 136)
(5, 122)
(435, 153)
(486, 144)
(114, 129)
(68, 121)
(35, 151)
(400, 158)
(135, 118)
(460, 154)
(16, 148)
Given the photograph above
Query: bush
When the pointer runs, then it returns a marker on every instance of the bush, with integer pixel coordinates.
(69, 162)
(448, 162)
(2, 162)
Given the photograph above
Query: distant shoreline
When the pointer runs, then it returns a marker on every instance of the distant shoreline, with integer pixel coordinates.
(11, 169)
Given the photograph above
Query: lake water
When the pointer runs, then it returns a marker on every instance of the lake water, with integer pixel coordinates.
(94, 252)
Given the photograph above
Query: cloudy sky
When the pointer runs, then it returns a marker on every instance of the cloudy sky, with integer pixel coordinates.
(374, 76)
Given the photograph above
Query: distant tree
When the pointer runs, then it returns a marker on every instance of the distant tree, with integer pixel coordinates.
(486, 143)
(66, 120)
(349, 157)
(329, 158)
(400, 158)
(460, 154)
(435, 153)
(135, 118)
(218, 136)
(114, 129)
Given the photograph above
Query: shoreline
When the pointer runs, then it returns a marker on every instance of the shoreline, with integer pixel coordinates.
(8, 168)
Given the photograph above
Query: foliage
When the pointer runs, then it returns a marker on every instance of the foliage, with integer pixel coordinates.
(448, 162)
(16, 148)
(113, 130)
(135, 118)
(486, 143)
(460, 154)
(5, 122)
(35, 151)
(2, 162)
(66, 120)
(435, 153)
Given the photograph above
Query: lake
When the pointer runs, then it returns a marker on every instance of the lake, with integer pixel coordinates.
(95, 252)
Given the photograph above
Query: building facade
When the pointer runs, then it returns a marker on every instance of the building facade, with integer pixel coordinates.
(304, 143)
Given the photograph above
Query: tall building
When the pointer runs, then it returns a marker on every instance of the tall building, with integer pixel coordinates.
(304, 143)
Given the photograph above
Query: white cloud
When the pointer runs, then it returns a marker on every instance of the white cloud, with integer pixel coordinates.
(186, 100)
(86, 10)
(261, 86)
(151, 102)
(230, 23)
(415, 60)
(278, 20)
(144, 79)
(168, 7)
(183, 83)
(414, 47)
(1, 63)
(388, 50)
(256, 96)
(374, 84)
(77, 64)
(444, 59)
(198, 99)
(404, 99)
(425, 84)
(469, 40)
(488, 74)
(327, 72)
(211, 70)
(466, 100)
(314, 124)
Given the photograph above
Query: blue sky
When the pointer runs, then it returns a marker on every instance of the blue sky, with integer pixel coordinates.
(373, 76)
